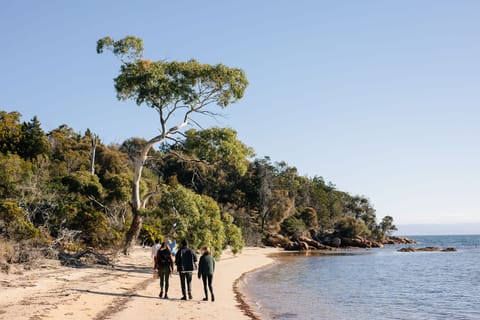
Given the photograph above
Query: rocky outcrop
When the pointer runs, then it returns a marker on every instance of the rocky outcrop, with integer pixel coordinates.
(296, 246)
(304, 243)
(427, 249)
(275, 240)
(332, 241)
(398, 240)
(359, 242)
(313, 244)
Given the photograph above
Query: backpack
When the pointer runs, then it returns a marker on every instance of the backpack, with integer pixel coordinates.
(163, 258)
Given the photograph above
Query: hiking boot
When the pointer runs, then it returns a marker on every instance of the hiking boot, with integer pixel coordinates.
(183, 298)
(213, 298)
(190, 296)
(161, 294)
(205, 299)
(165, 296)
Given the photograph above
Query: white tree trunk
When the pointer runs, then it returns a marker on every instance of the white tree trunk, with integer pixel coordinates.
(92, 153)
(139, 163)
(137, 202)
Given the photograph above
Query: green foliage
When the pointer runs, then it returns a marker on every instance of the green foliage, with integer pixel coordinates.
(293, 226)
(70, 151)
(385, 228)
(13, 223)
(194, 217)
(217, 145)
(84, 183)
(49, 186)
(233, 234)
(117, 187)
(151, 231)
(14, 172)
(129, 47)
(162, 83)
(309, 217)
(34, 141)
(94, 227)
(170, 82)
(350, 227)
(10, 132)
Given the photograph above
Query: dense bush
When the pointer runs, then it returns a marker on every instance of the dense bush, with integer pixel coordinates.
(197, 218)
(13, 223)
(293, 226)
(351, 227)
(51, 182)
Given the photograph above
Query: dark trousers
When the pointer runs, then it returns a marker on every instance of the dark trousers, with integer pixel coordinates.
(164, 275)
(186, 281)
(207, 279)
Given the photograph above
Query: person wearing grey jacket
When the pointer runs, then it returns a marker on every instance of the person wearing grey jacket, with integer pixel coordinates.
(186, 262)
(206, 268)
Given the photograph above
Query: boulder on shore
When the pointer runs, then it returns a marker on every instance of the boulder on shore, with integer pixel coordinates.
(360, 242)
(398, 240)
(314, 244)
(296, 246)
(427, 249)
(275, 240)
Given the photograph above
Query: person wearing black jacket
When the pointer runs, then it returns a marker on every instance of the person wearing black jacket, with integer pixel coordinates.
(186, 262)
(164, 265)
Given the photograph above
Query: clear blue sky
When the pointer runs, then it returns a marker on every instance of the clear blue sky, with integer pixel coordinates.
(379, 97)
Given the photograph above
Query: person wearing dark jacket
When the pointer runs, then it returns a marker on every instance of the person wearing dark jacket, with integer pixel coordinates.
(164, 266)
(186, 261)
(206, 268)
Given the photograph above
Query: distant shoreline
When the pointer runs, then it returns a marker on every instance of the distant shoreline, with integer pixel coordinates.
(440, 229)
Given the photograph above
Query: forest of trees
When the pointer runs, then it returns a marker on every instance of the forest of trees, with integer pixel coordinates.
(53, 191)
(65, 190)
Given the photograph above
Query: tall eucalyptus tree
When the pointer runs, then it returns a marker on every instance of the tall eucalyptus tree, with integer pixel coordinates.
(176, 90)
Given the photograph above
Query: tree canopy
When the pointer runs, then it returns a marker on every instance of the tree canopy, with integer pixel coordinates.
(175, 90)
(207, 188)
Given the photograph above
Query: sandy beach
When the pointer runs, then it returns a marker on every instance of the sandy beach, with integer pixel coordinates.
(125, 291)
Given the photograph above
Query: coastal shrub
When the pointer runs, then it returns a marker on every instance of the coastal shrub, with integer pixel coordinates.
(83, 182)
(7, 254)
(386, 227)
(94, 227)
(14, 172)
(233, 234)
(293, 226)
(197, 218)
(13, 223)
(350, 227)
(151, 231)
(309, 217)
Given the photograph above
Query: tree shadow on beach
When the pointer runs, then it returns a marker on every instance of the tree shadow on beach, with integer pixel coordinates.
(115, 294)
(125, 267)
(132, 268)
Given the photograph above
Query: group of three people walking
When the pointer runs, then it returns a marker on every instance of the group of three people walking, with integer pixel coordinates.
(186, 262)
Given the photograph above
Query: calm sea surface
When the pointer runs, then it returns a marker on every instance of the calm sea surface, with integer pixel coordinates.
(377, 284)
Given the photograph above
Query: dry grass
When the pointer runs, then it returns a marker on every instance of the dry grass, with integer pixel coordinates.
(7, 255)
(25, 253)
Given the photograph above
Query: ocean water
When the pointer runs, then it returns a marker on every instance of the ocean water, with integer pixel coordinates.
(376, 284)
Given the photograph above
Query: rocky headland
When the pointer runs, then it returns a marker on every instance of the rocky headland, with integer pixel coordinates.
(329, 242)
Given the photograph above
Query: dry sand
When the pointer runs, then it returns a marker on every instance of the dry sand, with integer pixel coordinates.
(126, 291)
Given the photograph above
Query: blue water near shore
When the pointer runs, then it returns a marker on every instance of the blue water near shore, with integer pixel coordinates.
(377, 284)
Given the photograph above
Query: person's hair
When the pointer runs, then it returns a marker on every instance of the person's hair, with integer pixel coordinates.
(206, 250)
(157, 240)
(165, 246)
(184, 243)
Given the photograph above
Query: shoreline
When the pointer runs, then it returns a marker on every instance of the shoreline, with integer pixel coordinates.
(127, 290)
(241, 296)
